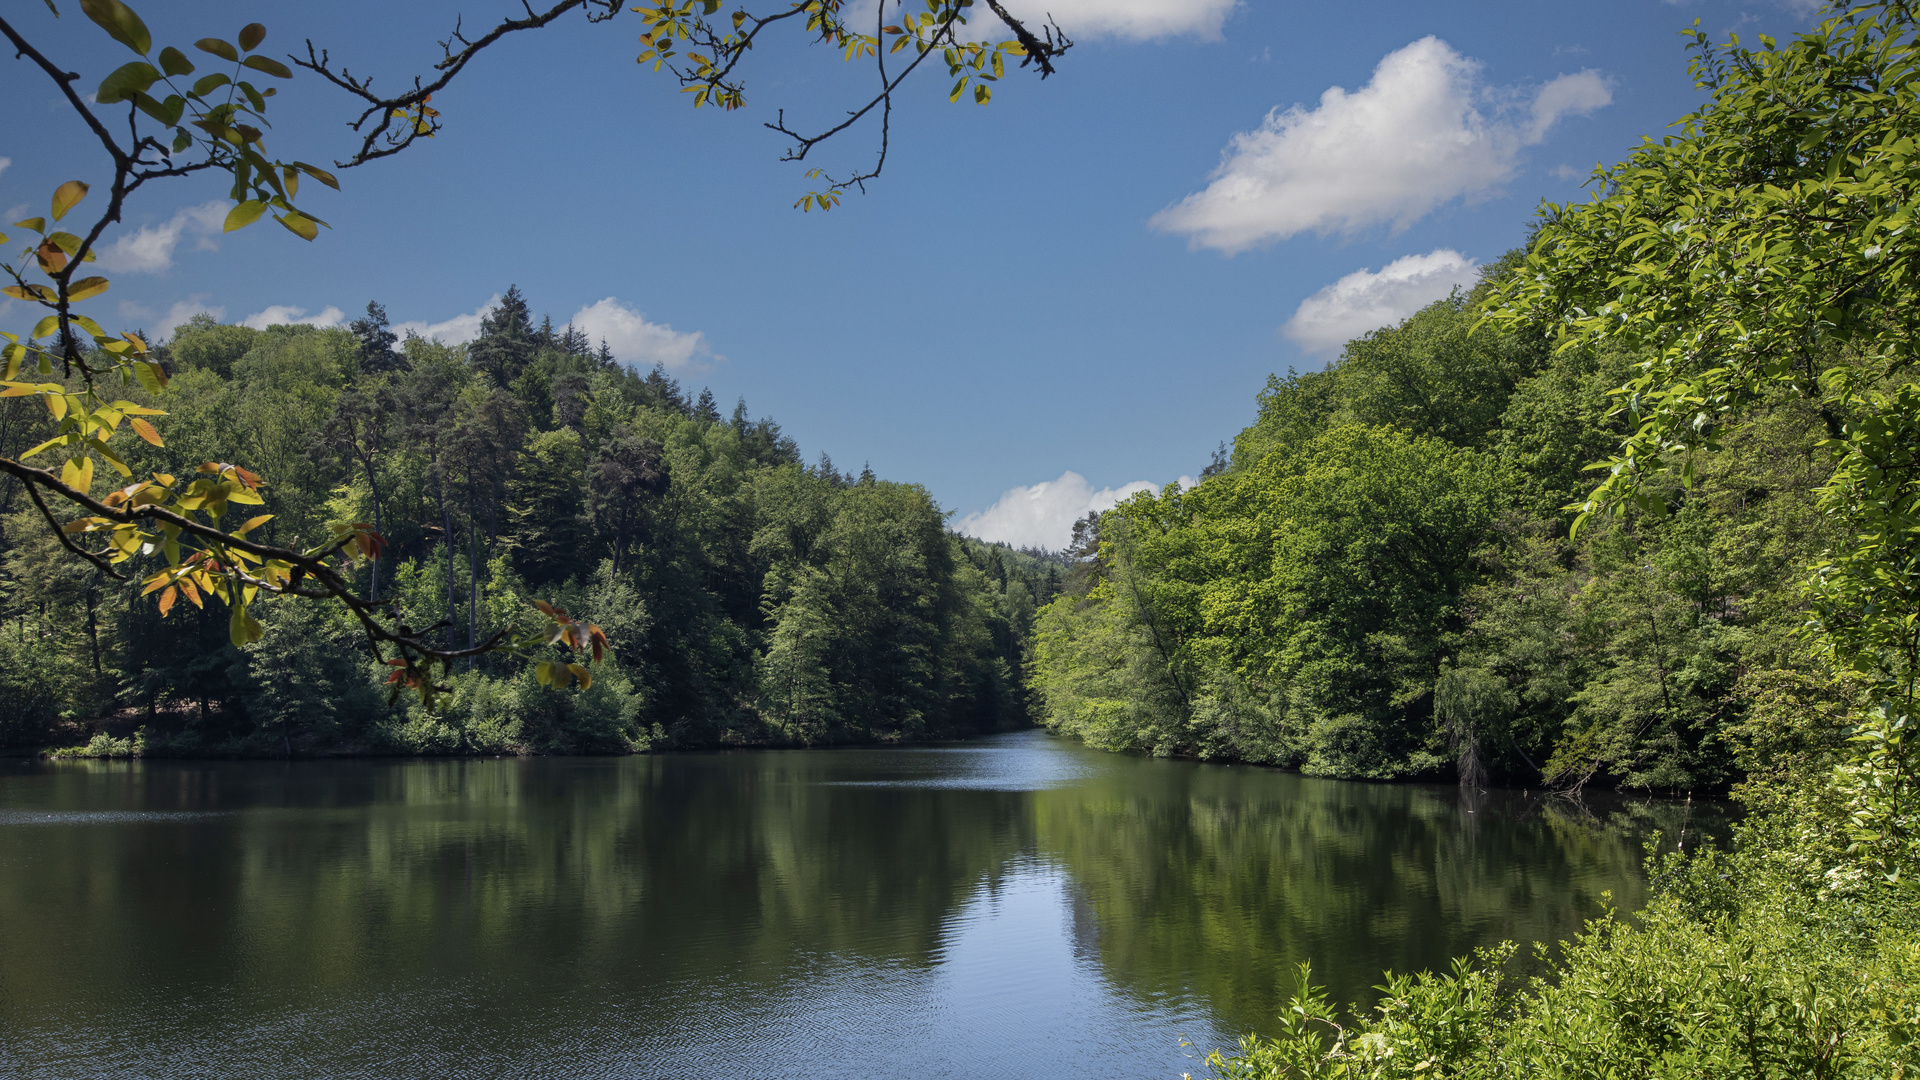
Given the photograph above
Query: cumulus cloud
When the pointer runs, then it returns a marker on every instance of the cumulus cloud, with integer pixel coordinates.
(1424, 131)
(180, 312)
(149, 249)
(455, 331)
(1042, 515)
(288, 315)
(636, 341)
(1365, 300)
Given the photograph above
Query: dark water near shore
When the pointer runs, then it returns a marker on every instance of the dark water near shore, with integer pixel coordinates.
(1015, 907)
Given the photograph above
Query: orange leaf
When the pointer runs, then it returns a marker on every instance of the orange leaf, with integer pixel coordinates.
(50, 256)
(166, 601)
(193, 594)
(145, 431)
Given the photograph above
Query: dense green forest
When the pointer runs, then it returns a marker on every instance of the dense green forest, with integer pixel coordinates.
(750, 598)
(1378, 582)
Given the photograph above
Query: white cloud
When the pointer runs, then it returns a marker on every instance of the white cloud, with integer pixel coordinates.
(1415, 137)
(181, 312)
(5, 163)
(640, 343)
(1364, 300)
(288, 315)
(149, 249)
(1566, 172)
(1042, 515)
(455, 331)
(1578, 94)
(1134, 20)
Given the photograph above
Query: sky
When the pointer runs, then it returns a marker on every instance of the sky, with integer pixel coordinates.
(1040, 307)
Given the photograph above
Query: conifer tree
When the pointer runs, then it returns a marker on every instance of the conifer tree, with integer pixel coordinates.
(506, 342)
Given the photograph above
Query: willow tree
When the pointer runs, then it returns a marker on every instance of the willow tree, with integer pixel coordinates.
(172, 113)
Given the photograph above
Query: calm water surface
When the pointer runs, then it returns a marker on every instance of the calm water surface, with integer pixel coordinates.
(1015, 907)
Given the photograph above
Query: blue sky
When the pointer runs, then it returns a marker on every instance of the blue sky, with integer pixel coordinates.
(1076, 289)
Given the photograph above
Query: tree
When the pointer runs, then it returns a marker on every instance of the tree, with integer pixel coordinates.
(506, 342)
(216, 125)
(1768, 249)
(375, 341)
(361, 431)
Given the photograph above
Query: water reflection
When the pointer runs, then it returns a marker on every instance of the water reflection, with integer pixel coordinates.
(1011, 908)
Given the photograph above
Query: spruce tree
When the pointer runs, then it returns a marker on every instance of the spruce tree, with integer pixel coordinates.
(506, 342)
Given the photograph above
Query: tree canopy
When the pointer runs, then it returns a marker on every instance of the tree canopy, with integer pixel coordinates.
(181, 121)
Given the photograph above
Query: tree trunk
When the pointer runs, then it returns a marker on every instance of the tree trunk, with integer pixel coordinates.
(373, 484)
(473, 582)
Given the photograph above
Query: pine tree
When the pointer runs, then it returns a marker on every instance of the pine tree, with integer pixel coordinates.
(706, 409)
(374, 341)
(506, 341)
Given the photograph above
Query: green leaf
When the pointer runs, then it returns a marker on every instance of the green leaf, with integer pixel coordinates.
(244, 214)
(126, 80)
(251, 35)
(272, 67)
(65, 197)
(119, 21)
(44, 327)
(37, 224)
(151, 377)
(210, 83)
(175, 62)
(242, 628)
(300, 225)
(218, 48)
(167, 112)
(321, 175)
(45, 446)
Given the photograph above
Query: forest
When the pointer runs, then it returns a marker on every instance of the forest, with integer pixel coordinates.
(749, 597)
(1378, 580)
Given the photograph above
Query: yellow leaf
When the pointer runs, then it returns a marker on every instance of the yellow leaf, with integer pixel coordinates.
(253, 523)
(77, 474)
(300, 225)
(86, 288)
(66, 197)
(244, 214)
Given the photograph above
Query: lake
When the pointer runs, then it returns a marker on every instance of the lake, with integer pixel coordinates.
(1017, 906)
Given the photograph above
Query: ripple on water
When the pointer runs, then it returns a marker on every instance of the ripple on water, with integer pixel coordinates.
(105, 817)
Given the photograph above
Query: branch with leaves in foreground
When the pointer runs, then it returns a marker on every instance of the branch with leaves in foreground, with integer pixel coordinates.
(179, 125)
(181, 121)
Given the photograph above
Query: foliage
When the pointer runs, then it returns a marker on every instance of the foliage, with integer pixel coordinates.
(1756, 265)
(178, 127)
(1380, 583)
(740, 596)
